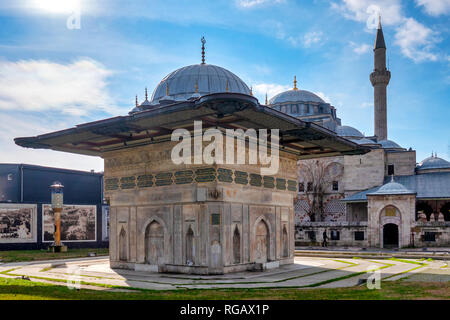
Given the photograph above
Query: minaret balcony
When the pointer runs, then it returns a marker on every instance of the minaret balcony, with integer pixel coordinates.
(380, 77)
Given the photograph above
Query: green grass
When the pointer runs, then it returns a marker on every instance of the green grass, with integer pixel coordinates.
(16, 289)
(34, 255)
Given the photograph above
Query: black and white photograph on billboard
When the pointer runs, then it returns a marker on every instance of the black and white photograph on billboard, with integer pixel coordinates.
(105, 223)
(78, 223)
(17, 223)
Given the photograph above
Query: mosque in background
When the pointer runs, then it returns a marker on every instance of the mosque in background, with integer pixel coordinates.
(379, 199)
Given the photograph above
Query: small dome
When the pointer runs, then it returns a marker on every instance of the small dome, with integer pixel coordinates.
(392, 188)
(389, 144)
(295, 95)
(350, 132)
(181, 83)
(433, 162)
(364, 142)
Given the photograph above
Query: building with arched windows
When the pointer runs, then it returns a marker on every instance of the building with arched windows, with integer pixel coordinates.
(379, 199)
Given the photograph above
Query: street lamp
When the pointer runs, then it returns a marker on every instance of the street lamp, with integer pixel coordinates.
(57, 206)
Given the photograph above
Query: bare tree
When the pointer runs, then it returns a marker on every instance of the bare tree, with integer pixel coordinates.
(317, 175)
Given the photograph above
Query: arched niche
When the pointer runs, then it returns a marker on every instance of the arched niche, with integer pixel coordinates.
(123, 245)
(236, 245)
(154, 243)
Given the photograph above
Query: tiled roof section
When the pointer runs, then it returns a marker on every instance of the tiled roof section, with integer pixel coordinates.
(430, 185)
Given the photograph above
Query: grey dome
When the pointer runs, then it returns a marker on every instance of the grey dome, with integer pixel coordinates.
(347, 131)
(209, 78)
(364, 141)
(389, 144)
(295, 96)
(433, 162)
(392, 188)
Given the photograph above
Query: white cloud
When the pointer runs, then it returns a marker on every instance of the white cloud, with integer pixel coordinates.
(363, 10)
(416, 40)
(360, 48)
(324, 97)
(435, 7)
(271, 89)
(36, 85)
(255, 3)
(311, 38)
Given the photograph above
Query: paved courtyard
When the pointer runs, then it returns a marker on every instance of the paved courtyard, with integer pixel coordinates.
(306, 272)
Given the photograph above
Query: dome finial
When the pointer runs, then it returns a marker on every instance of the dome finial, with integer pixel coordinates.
(226, 88)
(146, 95)
(196, 86)
(137, 101)
(266, 99)
(295, 83)
(167, 89)
(203, 49)
(251, 91)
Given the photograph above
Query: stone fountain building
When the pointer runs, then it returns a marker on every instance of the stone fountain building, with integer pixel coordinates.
(197, 218)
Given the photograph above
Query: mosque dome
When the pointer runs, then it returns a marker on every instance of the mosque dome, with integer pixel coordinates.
(184, 83)
(295, 95)
(347, 131)
(432, 163)
(392, 187)
(364, 142)
(389, 144)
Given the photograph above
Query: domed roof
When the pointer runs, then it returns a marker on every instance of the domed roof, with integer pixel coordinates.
(295, 95)
(181, 83)
(347, 131)
(364, 141)
(389, 144)
(433, 162)
(392, 188)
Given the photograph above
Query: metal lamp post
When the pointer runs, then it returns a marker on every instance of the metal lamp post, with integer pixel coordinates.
(57, 206)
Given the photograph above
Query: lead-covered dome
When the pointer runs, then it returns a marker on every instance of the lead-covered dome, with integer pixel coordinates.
(392, 187)
(182, 83)
(296, 95)
(348, 132)
(433, 163)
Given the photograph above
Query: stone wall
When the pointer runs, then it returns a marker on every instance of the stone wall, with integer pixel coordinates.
(404, 162)
(346, 234)
(364, 171)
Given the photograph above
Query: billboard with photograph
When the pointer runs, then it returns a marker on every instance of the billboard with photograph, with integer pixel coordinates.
(17, 223)
(78, 223)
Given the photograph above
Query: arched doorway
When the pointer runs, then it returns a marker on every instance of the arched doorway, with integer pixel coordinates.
(262, 242)
(285, 243)
(154, 243)
(123, 245)
(236, 246)
(390, 235)
(190, 247)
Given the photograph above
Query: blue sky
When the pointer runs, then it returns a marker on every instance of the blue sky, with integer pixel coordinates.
(53, 77)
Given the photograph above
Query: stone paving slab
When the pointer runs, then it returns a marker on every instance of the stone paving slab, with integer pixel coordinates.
(306, 272)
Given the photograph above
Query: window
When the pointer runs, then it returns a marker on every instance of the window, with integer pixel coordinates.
(390, 169)
(310, 186)
(335, 235)
(335, 185)
(294, 108)
(312, 235)
(430, 236)
(359, 235)
(10, 176)
(301, 187)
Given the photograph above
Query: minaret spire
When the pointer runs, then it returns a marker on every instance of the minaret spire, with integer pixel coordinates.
(380, 78)
(203, 49)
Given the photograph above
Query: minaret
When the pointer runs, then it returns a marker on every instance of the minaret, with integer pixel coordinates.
(380, 79)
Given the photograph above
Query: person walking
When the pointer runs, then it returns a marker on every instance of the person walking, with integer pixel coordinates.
(325, 237)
